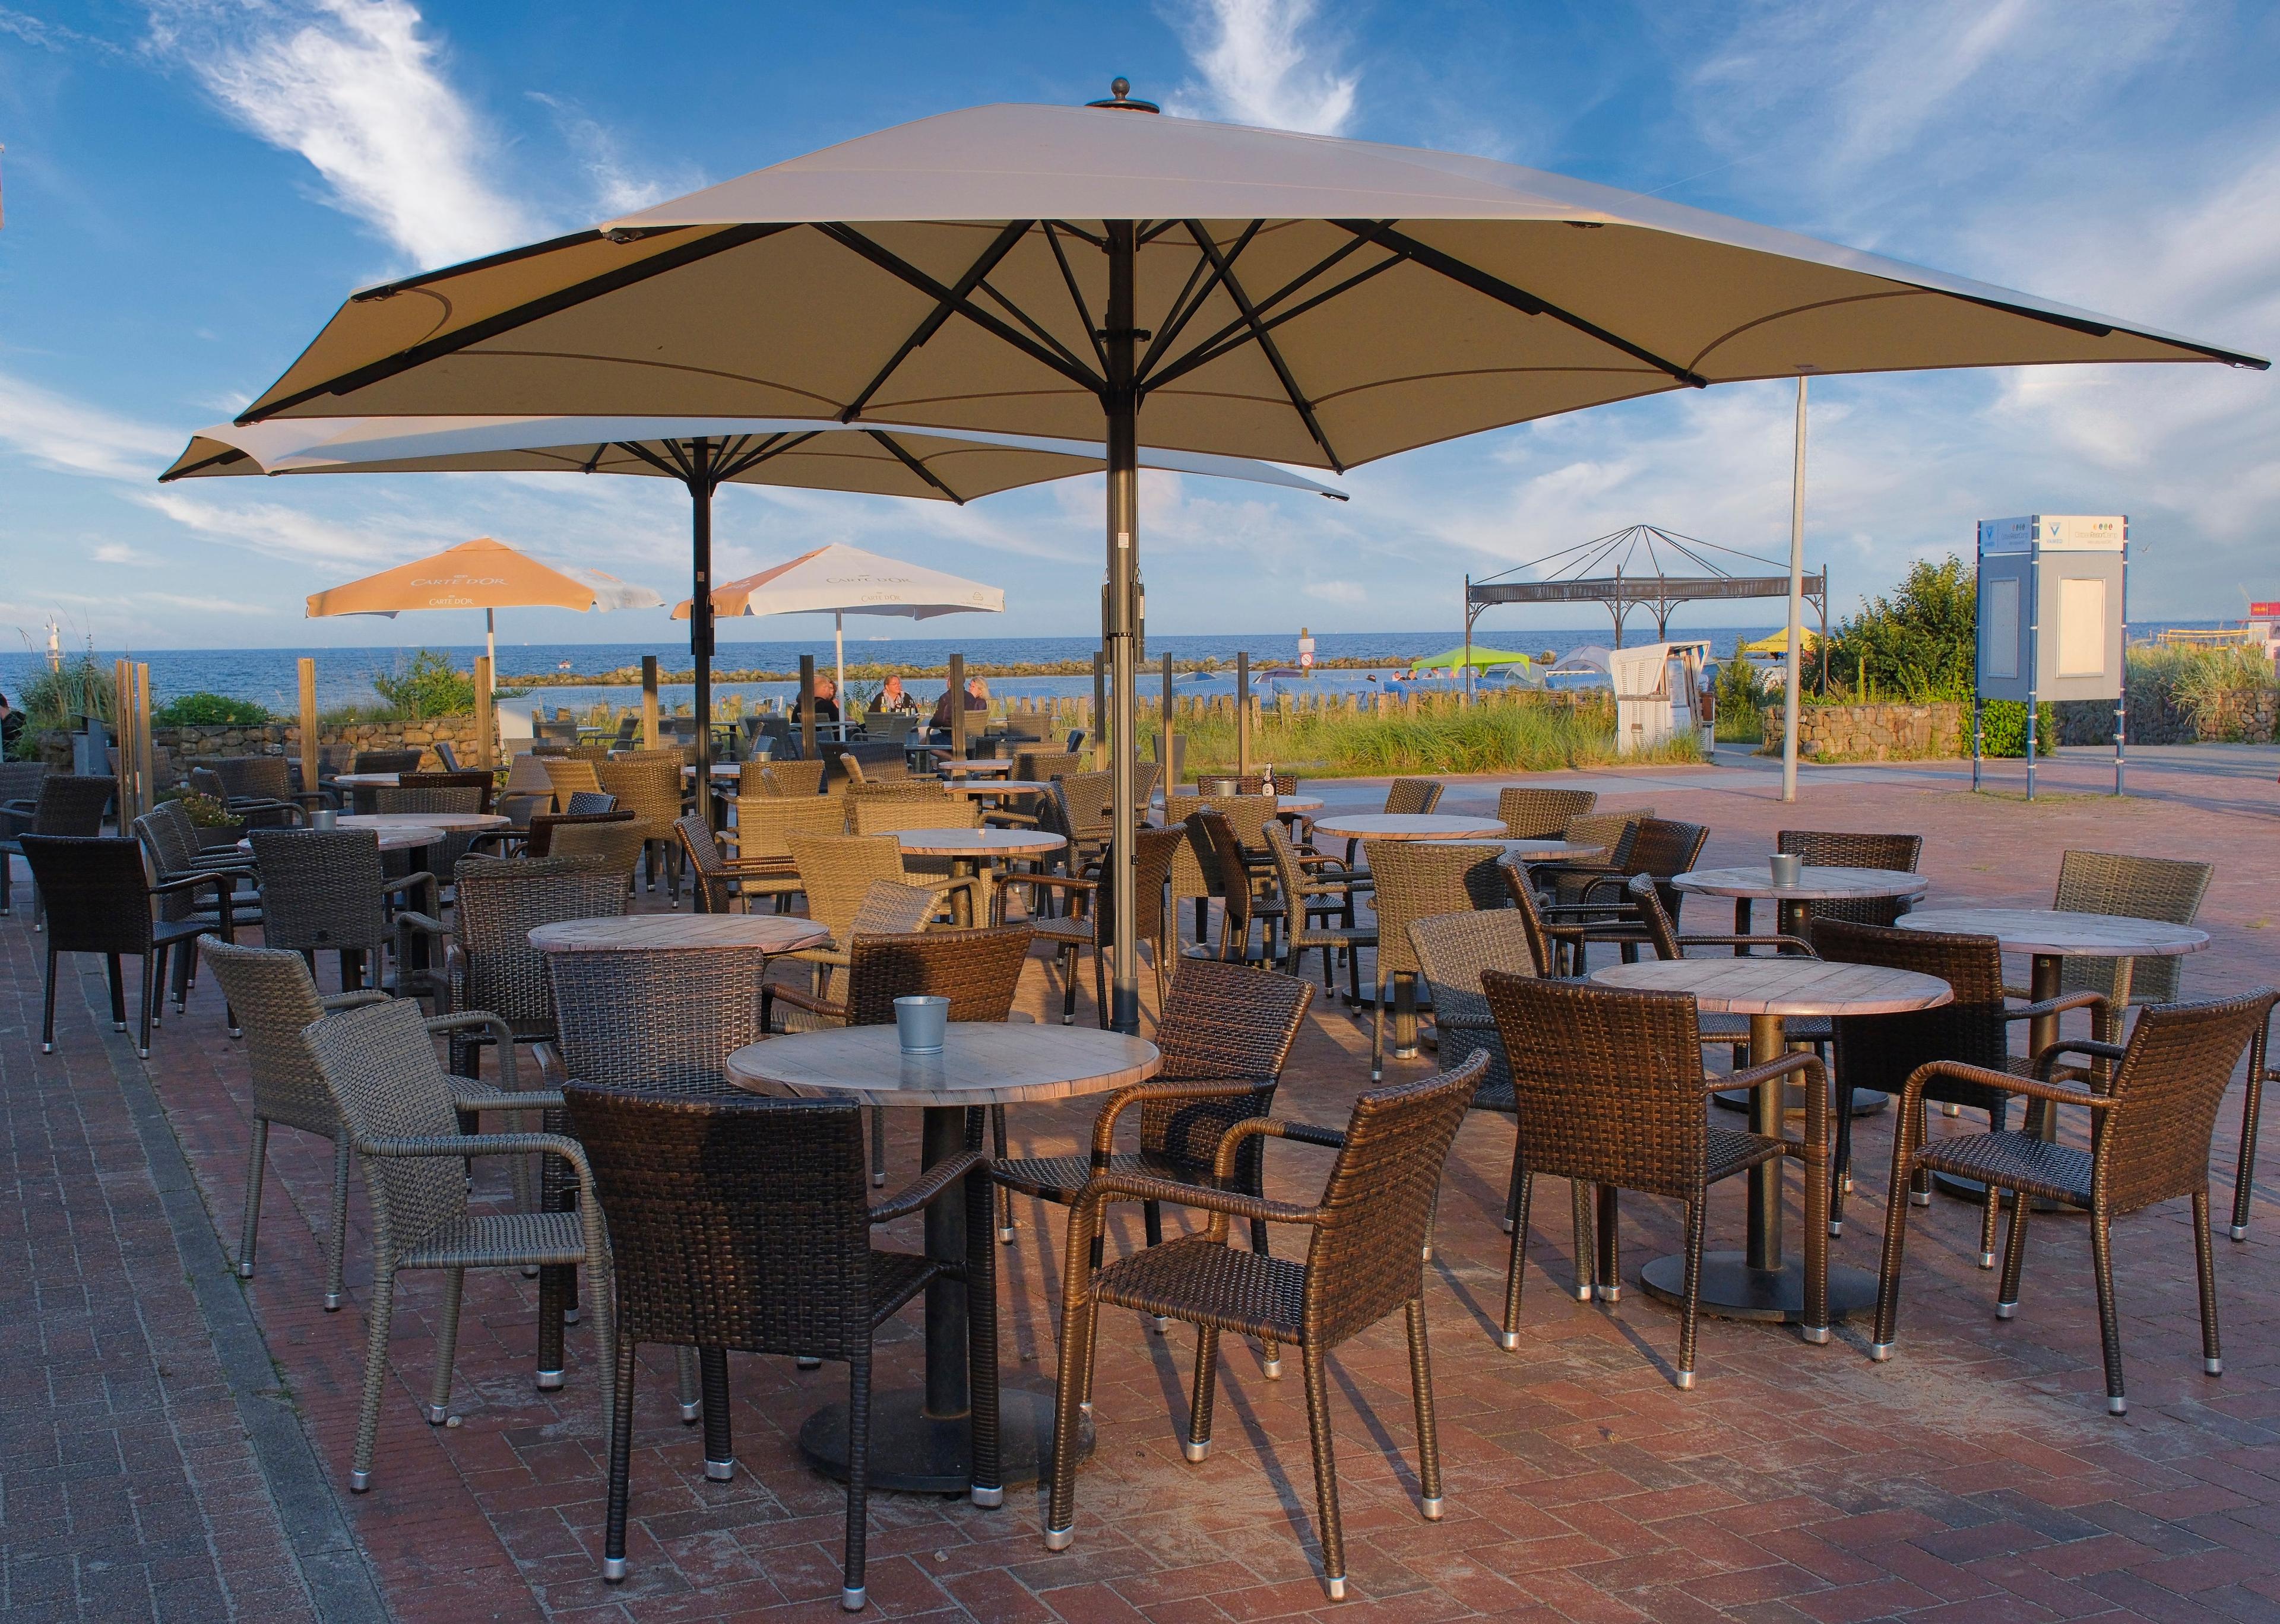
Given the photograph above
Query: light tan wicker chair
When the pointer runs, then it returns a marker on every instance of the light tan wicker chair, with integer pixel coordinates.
(2143, 888)
(648, 787)
(569, 775)
(1417, 879)
(764, 824)
(1541, 815)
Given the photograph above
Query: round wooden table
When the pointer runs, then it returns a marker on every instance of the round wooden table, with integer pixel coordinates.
(1760, 1281)
(985, 765)
(1750, 883)
(999, 786)
(969, 851)
(367, 781)
(919, 1439)
(765, 933)
(451, 822)
(395, 838)
(1408, 826)
(1547, 850)
(2049, 935)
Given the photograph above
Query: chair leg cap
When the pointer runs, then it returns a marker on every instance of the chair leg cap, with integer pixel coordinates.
(119, 1026)
(549, 1380)
(237, 1031)
(1159, 1324)
(360, 1481)
(1060, 1539)
(1836, 1229)
(142, 1054)
(245, 1269)
(1507, 1226)
(806, 1362)
(2212, 1368)
(613, 1570)
(878, 1180)
(1272, 1369)
(332, 1301)
(436, 1414)
(1005, 1235)
(1196, 1449)
(691, 1414)
(1609, 1294)
(47, 1048)
(2239, 1232)
(1584, 1294)
(1816, 1335)
(1084, 1408)
(1880, 1351)
(2005, 1310)
(569, 1316)
(1686, 1380)
(1432, 1506)
(1919, 1198)
(851, 1600)
(1509, 1340)
(1987, 1260)
(989, 1500)
(2117, 1406)
(1337, 1588)
(720, 1470)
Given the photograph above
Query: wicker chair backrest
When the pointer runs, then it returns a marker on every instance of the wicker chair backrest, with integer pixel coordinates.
(2154, 1145)
(891, 909)
(72, 804)
(271, 992)
(526, 775)
(1543, 814)
(615, 839)
(898, 789)
(1157, 850)
(1197, 871)
(874, 816)
(585, 801)
(1145, 775)
(1417, 879)
(1612, 832)
(457, 778)
(546, 826)
(589, 753)
(1453, 948)
(792, 778)
(96, 888)
(420, 800)
(648, 788)
(172, 847)
(569, 775)
(1663, 847)
(20, 780)
(1413, 795)
(321, 889)
(257, 777)
(664, 1020)
(207, 782)
(978, 971)
(1206, 858)
(1607, 1081)
(1367, 1257)
(387, 760)
(1042, 767)
(1879, 1051)
(836, 870)
(500, 903)
(1230, 784)
(708, 869)
(379, 1065)
(1221, 1023)
(734, 1223)
(1521, 891)
(2145, 887)
(1079, 805)
(766, 823)
(1836, 849)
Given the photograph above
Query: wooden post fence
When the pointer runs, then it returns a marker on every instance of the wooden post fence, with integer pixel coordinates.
(312, 757)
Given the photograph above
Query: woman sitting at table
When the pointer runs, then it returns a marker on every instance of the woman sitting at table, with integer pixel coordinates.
(977, 698)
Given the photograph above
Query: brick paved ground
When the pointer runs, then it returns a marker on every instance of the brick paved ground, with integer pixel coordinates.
(1974, 1477)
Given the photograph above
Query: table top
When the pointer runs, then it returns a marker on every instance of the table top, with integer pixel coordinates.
(2054, 931)
(367, 781)
(980, 764)
(423, 820)
(1408, 826)
(1814, 884)
(720, 769)
(1538, 851)
(766, 933)
(978, 843)
(1768, 985)
(1000, 785)
(395, 838)
(1282, 803)
(982, 1063)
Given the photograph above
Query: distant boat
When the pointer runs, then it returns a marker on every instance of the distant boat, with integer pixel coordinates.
(564, 666)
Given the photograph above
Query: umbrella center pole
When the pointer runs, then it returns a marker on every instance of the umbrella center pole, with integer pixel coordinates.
(700, 604)
(1121, 405)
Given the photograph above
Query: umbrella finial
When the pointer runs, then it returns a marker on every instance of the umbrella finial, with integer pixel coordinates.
(1120, 95)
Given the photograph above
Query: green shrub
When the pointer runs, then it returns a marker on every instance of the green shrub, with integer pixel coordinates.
(1919, 645)
(204, 709)
(2003, 728)
(204, 811)
(428, 686)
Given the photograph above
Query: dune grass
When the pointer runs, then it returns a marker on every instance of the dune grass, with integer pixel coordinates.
(1493, 735)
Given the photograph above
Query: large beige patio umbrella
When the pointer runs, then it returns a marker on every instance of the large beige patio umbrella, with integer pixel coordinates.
(700, 453)
(1061, 270)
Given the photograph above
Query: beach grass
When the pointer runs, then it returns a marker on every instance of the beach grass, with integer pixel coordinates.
(1493, 735)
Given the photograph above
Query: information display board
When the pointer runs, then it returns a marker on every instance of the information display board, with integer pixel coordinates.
(2053, 616)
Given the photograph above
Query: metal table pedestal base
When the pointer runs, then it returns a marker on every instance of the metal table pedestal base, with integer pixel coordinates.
(913, 1453)
(1731, 1289)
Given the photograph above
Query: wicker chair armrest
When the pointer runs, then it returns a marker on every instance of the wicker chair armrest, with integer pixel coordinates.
(1598, 909)
(1103, 1124)
(502, 1034)
(2009, 1082)
(234, 864)
(1573, 870)
(2101, 1012)
(1315, 859)
(1755, 1076)
(510, 1099)
(1065, 882)
(498, 838)
(921, 1191)
(427, 923)
(772, 995)
(2047, 1060)
(332, 1001)
(1785, 943)
(25, 808)
(1272, 1127)
(1105, 1188)
(390, 886)
(492, 1144)
(1818, 1119)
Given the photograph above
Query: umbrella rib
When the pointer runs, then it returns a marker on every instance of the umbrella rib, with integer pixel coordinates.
(1496, 288)
(768, 451)
(896, 266)
(1235, 333)
(1075, 293)
(999, 247)
(519, 315)
(635, 448)
(1038, 328)
(218, 460)
(1183, 310)
(1268, 347)
(914, 464)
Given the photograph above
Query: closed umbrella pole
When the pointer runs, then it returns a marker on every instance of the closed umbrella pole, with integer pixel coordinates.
(1790, 686)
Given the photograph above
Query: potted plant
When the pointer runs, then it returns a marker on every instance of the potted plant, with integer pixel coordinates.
(216, 825)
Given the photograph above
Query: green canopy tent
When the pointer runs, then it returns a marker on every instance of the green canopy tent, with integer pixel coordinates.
(1479, 659)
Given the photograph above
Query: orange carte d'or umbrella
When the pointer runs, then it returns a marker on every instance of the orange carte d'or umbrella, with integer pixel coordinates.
(481, 574)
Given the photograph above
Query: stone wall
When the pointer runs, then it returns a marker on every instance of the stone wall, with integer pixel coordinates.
(2156, 717)
(1875, 732)
(182, 748)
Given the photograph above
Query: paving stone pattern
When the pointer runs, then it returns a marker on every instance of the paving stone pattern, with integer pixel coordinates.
(1974, 1477)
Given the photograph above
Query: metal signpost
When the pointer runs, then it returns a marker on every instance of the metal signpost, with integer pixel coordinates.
(2066, 575)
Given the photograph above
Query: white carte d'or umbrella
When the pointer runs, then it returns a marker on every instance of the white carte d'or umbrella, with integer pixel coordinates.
(840, 581)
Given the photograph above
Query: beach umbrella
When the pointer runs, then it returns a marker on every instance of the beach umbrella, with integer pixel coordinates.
(481, 574)
(840, 581)
(1777, 642)
(1067, 271)
(700, 453)
(1478, 659)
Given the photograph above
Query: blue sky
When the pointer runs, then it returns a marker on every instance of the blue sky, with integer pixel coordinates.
(192, 185)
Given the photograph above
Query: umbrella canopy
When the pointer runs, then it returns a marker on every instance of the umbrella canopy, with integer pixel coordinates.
(479, 575)
(1055, 271)
(1478, 659)
(1777, 642)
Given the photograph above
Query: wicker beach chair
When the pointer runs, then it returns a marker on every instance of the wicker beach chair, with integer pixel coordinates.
(326, 890)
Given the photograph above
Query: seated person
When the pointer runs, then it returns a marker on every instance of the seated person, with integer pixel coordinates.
(977, 698)
(826, 700)
(891, 697)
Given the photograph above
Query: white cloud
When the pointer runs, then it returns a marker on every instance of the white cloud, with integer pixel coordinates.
(616, 188)
(1259, 66)
(279, 532)
(358, 88)
(118, 552)
(1338, 591)
(74, 437)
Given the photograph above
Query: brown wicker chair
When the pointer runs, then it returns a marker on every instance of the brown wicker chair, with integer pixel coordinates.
(1197, 873)
(168, 836)
(1417, 879)
(1659, 848)
(260, 789)
(67, 803)
(1884, 1051)
(544, 827)
(570, 775)
(493, 967)
(327, 890)
(743, 1224)
(1541, 815)
(790, 778)
(648, 787)
(1089, 920)
(460, 778)
(716, 880)
(1609, 1087)
(397, 761)
(1827, 849)
(1076, 808)
(273, 996)
(102, 897)
(445, 854)
(1214, 850)
(1314, 889)
(401, 1112)
(2151, 1125)
(762, 833)
(2145, 888)
(1363, 1260)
